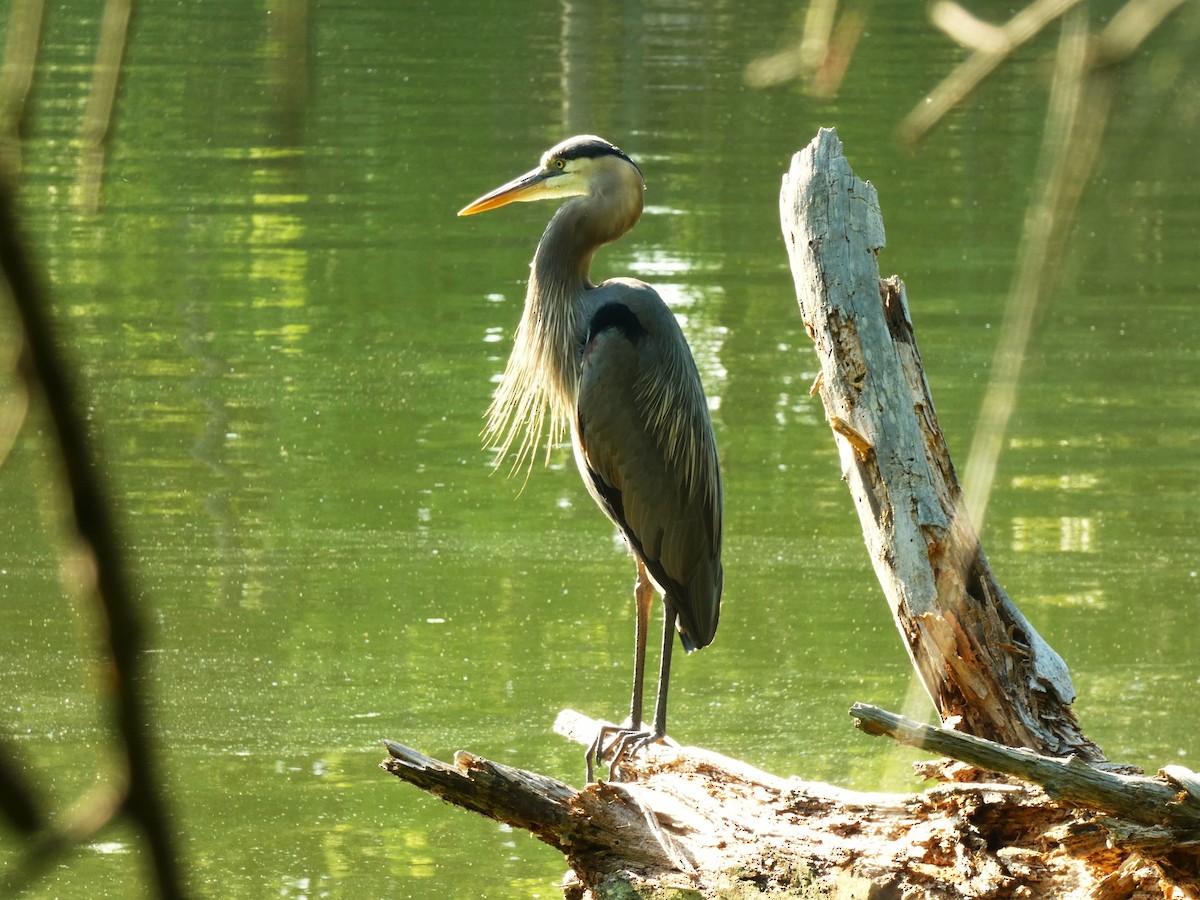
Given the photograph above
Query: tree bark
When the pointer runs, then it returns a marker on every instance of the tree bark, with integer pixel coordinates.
(691, 822)
(983, 664)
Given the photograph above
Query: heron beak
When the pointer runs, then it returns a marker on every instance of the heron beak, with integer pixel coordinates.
(530, 186)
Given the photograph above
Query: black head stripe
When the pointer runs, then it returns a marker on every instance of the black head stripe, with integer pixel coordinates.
(590, 147)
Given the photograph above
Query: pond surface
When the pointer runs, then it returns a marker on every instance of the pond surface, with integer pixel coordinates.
(287, 341)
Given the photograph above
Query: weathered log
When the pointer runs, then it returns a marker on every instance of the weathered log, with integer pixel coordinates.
(700, 823)
(981, 661)
(522, 799)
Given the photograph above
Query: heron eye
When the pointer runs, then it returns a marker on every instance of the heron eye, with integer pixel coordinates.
(560, 164)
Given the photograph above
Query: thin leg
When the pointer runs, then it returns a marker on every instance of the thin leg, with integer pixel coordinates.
(643, 596)
(664, 671)
(631, 741)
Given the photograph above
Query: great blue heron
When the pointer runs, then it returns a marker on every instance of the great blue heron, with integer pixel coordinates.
(611, 361)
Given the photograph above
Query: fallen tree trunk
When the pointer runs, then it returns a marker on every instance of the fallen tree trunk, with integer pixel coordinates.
(703, 824)
(694, 822)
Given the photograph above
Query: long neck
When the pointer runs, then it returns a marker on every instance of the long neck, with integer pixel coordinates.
(576, 231)
(542, 375)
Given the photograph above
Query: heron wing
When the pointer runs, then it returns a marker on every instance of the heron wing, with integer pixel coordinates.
(644, 444)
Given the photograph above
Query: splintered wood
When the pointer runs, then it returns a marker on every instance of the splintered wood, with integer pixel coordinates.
(980, 659)
(701, 823)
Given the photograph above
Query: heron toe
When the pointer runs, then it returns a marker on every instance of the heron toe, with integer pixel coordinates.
(625, 743)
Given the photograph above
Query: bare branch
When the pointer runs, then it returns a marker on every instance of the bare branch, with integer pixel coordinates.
(955, 87)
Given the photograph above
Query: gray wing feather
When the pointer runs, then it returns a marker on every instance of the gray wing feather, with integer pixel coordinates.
(644, 444)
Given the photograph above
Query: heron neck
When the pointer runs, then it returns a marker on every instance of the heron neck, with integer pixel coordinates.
(577, 230)
(564, 256)
(554, 318)
(541, 379)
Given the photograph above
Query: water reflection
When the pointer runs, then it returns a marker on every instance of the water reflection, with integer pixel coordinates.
(1071, 481)
(1063, 534)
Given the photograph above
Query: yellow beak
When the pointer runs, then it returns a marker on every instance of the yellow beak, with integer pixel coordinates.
(523, 188)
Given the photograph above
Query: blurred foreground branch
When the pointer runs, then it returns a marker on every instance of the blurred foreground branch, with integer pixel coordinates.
(137, 794)
(820, 55)
(16, 77)
(995, 44)
(1077, 116)
(1075, 123)
(97, 118)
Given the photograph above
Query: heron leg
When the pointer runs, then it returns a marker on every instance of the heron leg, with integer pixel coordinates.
(631, 741)
(643, 596)
(664, 671)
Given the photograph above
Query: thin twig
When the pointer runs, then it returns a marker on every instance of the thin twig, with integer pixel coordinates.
(955, 87)
(1135, 797)
(97, 118)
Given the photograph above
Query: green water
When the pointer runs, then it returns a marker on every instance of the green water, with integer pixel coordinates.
(287, 341)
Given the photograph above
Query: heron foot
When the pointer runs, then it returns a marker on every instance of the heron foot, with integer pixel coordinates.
(626, 741)
(627, 744)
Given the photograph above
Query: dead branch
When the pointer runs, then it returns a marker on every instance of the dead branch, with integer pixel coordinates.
(979, 658)
(1170, 803)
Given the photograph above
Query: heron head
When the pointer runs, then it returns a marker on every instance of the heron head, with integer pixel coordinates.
(584, 165)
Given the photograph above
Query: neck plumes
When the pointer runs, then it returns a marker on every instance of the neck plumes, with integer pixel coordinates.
(541, 379)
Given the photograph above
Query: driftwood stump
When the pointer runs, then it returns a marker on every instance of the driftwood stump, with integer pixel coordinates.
(1031, 810)
(980, 660)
